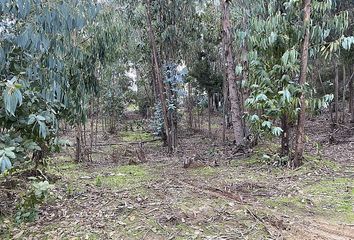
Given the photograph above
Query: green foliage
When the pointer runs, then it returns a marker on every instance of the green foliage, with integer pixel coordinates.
(28, 207)
(48, 58)
(275, 40)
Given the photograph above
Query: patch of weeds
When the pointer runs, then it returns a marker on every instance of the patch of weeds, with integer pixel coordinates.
(316, 162)
(126, 175)
(98, 181)
(204, 171)
(129, 136)
(332, 198)
(28, 207)
(292, 203)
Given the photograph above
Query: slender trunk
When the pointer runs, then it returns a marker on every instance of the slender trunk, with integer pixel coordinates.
(285, 149)
(231, 76)
(344, 93)
(351, 97)
(78, 143)
(300, 133)
(97, 119)
(209, 113)
(224, 109)
(91, 127)
(336, 97)
(158, 76)
(190, 106)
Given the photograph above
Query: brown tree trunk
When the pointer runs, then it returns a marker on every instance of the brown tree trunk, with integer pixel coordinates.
(224, 109)
(344, 93)
(336, 97)
(158, 76)
(190, 106)
(351, 97)
(300, 132)
(78, 144)
(209, 113)
(234, 93)
(285, 149)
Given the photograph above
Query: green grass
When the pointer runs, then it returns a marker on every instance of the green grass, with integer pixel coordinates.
(329, 198)
(204, 171)
(125, 176)
(129, 136)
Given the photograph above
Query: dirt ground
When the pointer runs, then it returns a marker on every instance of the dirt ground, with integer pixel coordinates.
(223, 195)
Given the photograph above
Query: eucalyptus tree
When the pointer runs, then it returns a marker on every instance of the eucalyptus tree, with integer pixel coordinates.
(50, 53)
(278, 89)
(234, 91)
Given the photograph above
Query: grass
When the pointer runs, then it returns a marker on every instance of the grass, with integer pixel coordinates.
(329, 198)
(125, 176)
(204, 171)
(129, 136)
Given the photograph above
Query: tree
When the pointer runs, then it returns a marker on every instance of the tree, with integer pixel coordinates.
(300, 134)
(234, 93)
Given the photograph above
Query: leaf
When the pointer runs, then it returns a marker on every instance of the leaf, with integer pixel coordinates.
(267, 124)
(5, 164)
(277, 131)
(261, 97)
(40, 118)
(42, 129)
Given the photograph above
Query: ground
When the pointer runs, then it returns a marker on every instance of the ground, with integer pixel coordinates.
(223, 195)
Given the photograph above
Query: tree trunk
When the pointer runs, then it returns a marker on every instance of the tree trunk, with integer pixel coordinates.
(210, 100)
(351, 97)
(225, 109)
(300, 133)
(285, 149)
(158, 76)
(190, 106)
(234, 93)
(344, 93)
(78, 143)
(336, 97)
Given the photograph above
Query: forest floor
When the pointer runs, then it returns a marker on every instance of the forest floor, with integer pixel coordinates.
(223, 195)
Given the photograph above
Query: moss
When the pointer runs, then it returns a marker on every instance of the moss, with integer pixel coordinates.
(329, 198)
(204, 171)
(125, 176)
(334, 196)
(129, 136)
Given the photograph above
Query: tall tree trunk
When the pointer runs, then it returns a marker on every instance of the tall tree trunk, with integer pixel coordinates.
(190, 106)
(78, 143)
(285, 137)
(225, 109)
(351, 97)
(344, 93)
(158, 76)
(300, 132)
(234, 93)
(336, 96)
(210, 100)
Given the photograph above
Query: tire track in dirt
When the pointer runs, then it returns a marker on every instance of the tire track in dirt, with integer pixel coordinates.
(317, 230)
(311, 229)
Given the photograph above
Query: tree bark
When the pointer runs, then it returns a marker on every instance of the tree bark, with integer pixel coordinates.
(234, 93)
(209, 113)
(336, 97)
(300, 133)
(158, 76)
(190, 106)
(351, 97)
(344, 93)
(285, 149)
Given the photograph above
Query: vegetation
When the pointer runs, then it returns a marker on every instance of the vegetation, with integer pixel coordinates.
(192, 118)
